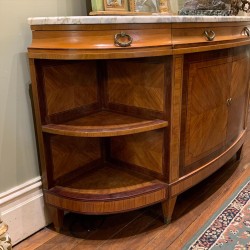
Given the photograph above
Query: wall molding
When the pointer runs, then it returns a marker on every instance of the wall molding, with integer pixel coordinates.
(23, 210)
(20, 190)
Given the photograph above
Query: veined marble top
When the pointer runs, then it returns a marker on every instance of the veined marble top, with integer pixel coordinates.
(132, 19)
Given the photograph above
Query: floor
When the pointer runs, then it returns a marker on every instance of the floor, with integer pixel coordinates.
(144, 229)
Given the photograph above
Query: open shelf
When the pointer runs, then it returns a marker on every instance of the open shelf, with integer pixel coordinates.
(109, 124)
(107, 189)
(106, 183)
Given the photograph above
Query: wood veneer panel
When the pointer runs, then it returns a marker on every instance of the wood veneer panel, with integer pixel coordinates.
(238, 93)
(207, 93)
(103, 124)
(190, 37)
(195, 35)
(97, 41)
(70, 153)
(66, 85)
(108, 182)
(137, 84)
(175, 125)
(100, 207)
(87, 54)
(144, 150)
(210, 46)
(101, 39)
(207, 169)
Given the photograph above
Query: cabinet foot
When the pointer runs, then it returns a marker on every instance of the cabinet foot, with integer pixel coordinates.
(168, 208)
(57, 217)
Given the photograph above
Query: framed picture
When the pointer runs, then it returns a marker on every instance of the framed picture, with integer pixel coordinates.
(115, 5)
(144, 6)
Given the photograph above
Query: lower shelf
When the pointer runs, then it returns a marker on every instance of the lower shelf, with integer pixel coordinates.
(107, 190)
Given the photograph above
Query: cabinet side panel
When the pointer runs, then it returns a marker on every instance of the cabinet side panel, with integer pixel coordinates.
(136, 83)
(71, 153)
(144, 150)
(68, 85)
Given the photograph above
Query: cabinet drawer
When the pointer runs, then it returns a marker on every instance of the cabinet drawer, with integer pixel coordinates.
(189, 37)
(102, 41)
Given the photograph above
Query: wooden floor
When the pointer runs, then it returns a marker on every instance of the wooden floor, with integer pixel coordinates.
(144, 229)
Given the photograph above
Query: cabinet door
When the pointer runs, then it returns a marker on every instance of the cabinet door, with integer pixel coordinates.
(238, 94)
(205, 113)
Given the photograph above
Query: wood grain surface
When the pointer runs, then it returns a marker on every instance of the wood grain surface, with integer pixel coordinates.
(66, 86)
(144, 150)
(103, 124)
(138, 84)
(144, 229)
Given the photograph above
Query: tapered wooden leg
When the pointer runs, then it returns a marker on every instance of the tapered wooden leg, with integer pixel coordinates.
(239, 154)
(57, 217)
(168, 208)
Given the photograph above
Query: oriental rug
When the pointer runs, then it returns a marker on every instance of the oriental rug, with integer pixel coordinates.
(229, 227)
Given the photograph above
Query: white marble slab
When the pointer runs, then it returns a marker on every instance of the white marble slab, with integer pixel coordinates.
(132, 19)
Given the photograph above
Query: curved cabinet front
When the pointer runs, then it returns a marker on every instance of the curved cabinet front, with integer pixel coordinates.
(214, 103)
(129, 123)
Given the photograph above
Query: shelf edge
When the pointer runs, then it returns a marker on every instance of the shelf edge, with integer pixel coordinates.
(103, 131)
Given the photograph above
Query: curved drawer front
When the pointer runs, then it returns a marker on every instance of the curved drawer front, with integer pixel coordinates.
(189, 37)
(118, 41)
(107, 41)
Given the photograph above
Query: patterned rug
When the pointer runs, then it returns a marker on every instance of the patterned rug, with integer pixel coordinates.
(229, 227)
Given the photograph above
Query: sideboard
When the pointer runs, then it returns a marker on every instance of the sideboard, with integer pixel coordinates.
(133, 111)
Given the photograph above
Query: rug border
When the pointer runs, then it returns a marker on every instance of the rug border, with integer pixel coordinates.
(213, 217)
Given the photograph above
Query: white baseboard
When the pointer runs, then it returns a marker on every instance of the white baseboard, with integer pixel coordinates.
(22, 209)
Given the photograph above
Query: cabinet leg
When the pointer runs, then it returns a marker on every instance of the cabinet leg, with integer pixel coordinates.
(57, 217)
(239, 154)
(168, 208)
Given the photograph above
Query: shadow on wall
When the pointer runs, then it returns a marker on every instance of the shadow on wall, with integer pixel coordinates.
(77, 7)
(19, 150)
(25, 143)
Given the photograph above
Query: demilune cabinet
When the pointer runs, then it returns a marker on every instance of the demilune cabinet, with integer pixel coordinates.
(125, 124)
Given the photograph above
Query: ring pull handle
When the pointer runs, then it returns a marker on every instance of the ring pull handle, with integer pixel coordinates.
(229, 101)
(246, 31)
(123, 40)
(209, 34)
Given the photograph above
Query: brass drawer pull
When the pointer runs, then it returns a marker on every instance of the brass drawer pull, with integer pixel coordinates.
(229, 101)
(123, 40)
(210, 35)
(246, 31)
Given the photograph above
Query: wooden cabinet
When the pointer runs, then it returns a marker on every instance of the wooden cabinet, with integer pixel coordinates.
(120, 128)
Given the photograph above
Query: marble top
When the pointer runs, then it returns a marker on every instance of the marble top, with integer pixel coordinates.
(132, 19)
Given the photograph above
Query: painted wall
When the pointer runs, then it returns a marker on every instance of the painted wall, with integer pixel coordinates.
(18, 160)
